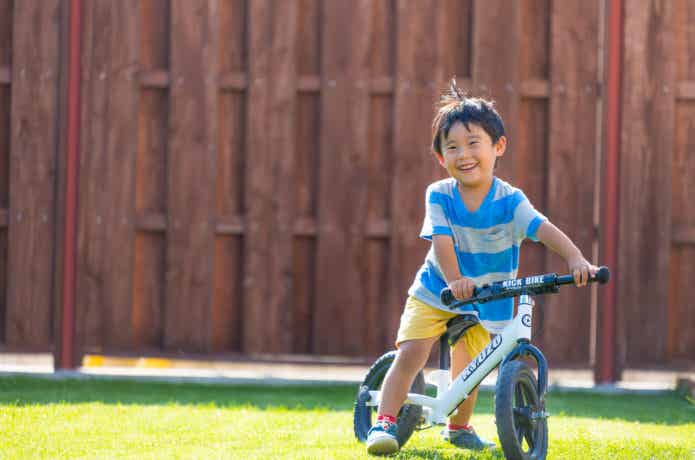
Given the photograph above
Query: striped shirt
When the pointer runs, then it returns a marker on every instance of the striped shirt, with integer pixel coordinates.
(486, 242)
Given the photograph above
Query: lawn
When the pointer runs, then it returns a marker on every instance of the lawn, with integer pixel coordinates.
(67, 419)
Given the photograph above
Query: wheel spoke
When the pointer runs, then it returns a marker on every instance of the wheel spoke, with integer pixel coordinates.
(523, 415)
(519, 395)
(520, 433)
(528, 434)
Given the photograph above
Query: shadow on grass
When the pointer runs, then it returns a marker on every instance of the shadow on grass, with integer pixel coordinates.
(434, 453)
(22, 391)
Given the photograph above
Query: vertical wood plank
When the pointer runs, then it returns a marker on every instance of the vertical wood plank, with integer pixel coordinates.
(269, 192)
(571, 167)
(307, 140)
(227, 302)
(282, 89)
(681, 314)
(343, 164)
(684, 30)
(529, 157)
(417, 75)
(258, 188)
(148, 303)
(150, 199)
(6, 20)
(154, 34)
(35, 60)
(228, 307)
(496, 67)
(306, 198)
(304, 274)
(110, 98)
(380, 131)
(6, 15)
(645, 190)
(233, 22)
(231, 161)
(455, 40)
(378, 210)
(90, 241)
(532, 148)
(120, 149)
(148, 290)
(191, 175)
(227, 311)
(4, 249)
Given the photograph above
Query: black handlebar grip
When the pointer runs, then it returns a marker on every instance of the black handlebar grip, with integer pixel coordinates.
(602, 275)
(447, 296)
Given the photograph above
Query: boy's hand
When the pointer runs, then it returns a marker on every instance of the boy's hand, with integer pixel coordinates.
(578, 266)
(462, 288)
(580, 269)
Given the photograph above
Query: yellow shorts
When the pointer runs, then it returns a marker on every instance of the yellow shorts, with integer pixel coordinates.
(421, 321)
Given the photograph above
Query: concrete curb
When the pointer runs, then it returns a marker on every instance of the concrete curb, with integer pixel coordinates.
(125, 374)
(311, 372)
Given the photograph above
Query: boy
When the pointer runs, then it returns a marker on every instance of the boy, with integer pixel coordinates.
(476, 223)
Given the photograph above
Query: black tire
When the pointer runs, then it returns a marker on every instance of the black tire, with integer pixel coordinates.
(520, 413)
(409, 417)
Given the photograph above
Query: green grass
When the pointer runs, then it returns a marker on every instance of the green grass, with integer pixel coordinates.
(124, 419)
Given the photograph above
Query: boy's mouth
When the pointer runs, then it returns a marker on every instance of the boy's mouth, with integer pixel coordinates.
(467, 167)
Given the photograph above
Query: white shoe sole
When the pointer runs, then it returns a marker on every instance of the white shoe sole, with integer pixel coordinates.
(383, 445)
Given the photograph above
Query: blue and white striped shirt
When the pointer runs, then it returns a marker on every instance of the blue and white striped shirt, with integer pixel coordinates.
(486, 242)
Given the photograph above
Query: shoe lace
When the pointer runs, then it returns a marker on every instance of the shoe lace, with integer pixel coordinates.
(384, 424)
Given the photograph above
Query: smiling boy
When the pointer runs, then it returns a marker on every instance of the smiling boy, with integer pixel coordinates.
(476, 223)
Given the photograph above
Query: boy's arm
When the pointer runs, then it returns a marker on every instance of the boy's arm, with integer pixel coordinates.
(558, 242)
(444, 251)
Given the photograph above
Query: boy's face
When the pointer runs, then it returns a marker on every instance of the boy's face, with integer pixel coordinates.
(469, 155)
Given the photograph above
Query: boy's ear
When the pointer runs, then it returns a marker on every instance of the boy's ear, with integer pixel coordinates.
(440, 158)
(500, 146)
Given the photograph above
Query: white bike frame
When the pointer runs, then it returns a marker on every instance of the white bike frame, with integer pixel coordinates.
(450, 396)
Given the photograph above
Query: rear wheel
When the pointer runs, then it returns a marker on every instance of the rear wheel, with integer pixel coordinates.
(364, 416)
(520, 413)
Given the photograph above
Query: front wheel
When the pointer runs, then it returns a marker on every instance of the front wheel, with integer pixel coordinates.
(408, 417)
(520, 413)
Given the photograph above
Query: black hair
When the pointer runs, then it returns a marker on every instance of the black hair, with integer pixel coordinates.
(456, 107)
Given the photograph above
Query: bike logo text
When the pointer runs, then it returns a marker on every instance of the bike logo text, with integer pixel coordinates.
(480, 359)
(517, 283)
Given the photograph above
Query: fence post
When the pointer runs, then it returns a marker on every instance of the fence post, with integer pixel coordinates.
(606, 368)
(66, 357)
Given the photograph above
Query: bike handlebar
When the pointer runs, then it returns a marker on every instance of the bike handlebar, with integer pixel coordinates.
(531, 285)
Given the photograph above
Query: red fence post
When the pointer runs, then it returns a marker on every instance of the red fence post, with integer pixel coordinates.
(606, 369)
(66, 358)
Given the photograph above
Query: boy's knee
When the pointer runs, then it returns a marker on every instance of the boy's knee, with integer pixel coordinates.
(412, 355)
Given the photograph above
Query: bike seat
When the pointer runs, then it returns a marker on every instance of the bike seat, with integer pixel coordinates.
(456, 326)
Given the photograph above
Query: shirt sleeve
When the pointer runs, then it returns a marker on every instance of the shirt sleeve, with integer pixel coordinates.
(526, 219)
(436, 222)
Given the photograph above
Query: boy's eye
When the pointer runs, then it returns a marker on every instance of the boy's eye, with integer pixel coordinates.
(472, 142)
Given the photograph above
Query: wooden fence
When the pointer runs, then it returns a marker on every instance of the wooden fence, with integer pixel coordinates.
(252, 173)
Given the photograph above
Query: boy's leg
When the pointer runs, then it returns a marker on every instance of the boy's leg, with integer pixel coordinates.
(460, 358)
(460, 432)
(411, 358)
(420, 326)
